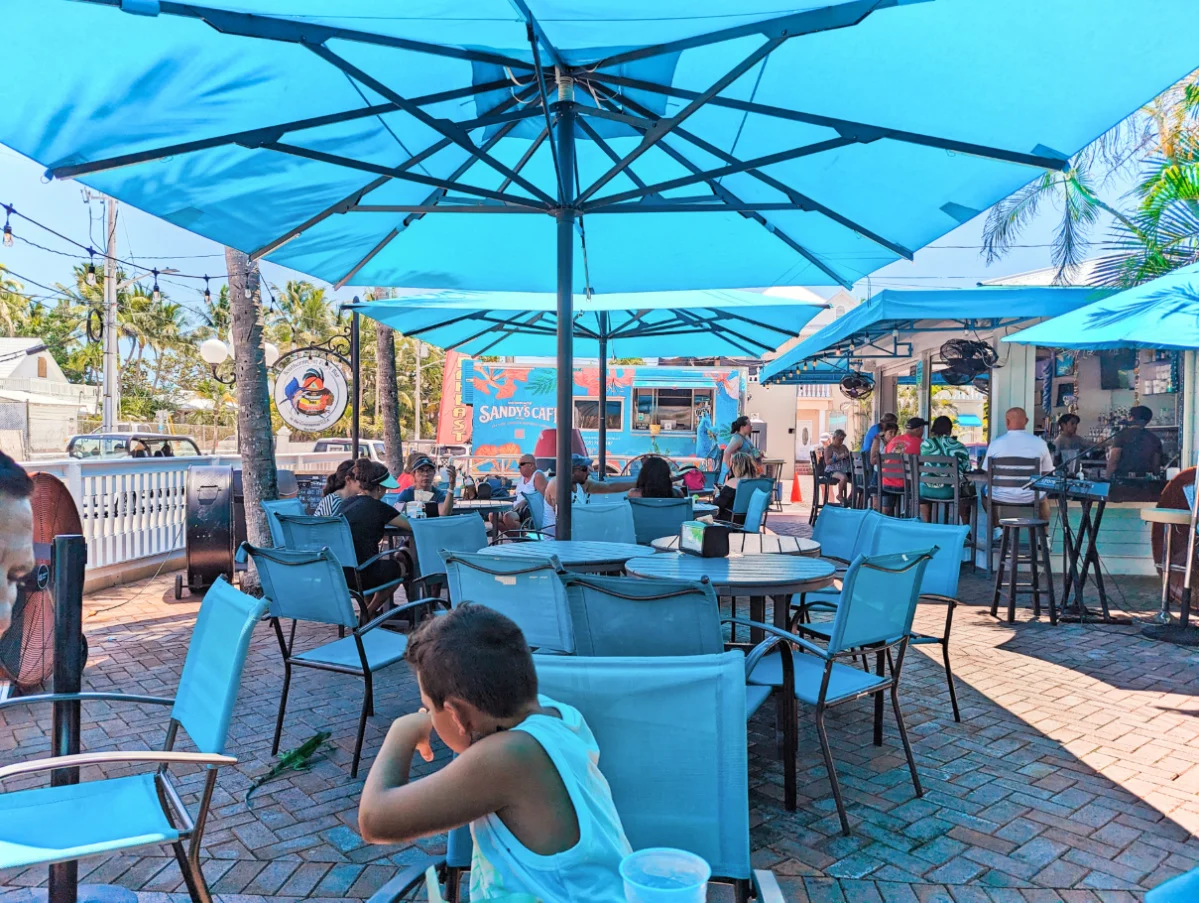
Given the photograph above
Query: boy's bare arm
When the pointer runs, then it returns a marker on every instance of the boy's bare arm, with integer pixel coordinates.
(392, 810)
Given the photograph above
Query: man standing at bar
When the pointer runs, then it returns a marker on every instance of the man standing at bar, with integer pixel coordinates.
(16, 532)
(1135, 449)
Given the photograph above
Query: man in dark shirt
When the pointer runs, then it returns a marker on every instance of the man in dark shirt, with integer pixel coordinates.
(1135, 449)
(423, 473)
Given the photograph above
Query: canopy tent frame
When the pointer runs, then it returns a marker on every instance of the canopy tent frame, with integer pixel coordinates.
(605, 82)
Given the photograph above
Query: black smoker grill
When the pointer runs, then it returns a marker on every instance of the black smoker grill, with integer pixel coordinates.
(216, 523)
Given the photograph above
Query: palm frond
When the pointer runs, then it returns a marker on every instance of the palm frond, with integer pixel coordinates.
(1010, 216)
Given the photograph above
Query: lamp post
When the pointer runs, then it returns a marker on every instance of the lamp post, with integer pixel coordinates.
(111, 393)
(214, 352)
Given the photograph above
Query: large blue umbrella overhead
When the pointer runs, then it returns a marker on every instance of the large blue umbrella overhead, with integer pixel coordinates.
(1163, 314)
(630, 146)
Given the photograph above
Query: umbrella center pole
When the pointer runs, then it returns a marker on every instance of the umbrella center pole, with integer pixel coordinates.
(564, 109)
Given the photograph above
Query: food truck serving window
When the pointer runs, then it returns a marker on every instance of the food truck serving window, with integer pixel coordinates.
(673, 409)
(587, 413)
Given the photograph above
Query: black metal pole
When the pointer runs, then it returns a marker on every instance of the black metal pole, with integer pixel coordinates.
(566, 246)
(603, 396)
(70, 559)
(356, 392)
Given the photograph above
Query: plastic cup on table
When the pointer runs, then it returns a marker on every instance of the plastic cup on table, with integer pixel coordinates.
(664, 875)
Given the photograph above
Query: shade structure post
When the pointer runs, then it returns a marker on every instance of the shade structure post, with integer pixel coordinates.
(356, 367)
(603, 396)
(564, 109)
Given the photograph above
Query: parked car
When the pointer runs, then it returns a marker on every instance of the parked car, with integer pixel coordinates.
(131, 445)
(368, 448)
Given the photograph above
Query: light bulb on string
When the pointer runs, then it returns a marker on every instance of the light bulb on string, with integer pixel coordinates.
(207, 293)
(90, 274)
(155, 294)
(7, 227)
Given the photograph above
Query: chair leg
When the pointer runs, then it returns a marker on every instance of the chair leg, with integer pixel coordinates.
(367, 698)
(903, 736)
(827, 752)
(953, 693)
(1003, 542)
(786, 714)
(741, 890)
(193, 877)
(878, 702)
(453, 884)
(1014, 578)
(282, 708)
(1034, 558)
(1044, 539)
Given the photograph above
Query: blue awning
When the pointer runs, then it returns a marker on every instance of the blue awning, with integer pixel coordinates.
(877, 328)
(1161, 314)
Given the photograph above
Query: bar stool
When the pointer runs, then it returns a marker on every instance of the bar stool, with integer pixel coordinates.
(1010, 561)
(1169, 518)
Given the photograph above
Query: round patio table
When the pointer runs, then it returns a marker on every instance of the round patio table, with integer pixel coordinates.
(773, 578)
(575, 555)
(754, 544)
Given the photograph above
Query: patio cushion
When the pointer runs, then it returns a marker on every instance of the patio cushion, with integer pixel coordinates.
(809, 670)
(383, 648)
(58, 824)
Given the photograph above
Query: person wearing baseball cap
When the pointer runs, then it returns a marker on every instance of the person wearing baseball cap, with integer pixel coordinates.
(906, 443)
(424, 475)
(581, 481)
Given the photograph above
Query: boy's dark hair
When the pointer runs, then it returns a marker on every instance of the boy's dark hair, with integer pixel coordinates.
(1068, 418)
(477, 655)
(1140, 414)
(14, 481)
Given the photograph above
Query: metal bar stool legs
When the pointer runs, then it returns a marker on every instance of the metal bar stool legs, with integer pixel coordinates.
(1039, 572)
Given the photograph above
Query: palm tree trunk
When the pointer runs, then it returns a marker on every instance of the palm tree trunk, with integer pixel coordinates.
(387, 395)
(259, 480)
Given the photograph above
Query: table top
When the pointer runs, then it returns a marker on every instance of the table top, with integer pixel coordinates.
(573, 553)
(754, 544)
(483, 504)
(767, 573)
(702, 508)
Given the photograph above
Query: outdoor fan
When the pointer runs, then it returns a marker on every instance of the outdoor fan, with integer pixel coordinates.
(27, 647)
(957, 375)
(969, 356)
(857, 385)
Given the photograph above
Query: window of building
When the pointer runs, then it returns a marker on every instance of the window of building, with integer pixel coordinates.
(587, 413)
(675, 410)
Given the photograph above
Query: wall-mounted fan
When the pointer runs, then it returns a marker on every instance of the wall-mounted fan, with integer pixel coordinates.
(857, 385)
(968, 355)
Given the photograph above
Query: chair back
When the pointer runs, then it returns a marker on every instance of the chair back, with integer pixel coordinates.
(944, 568)
(685, 714)
(861, 479)
(817, 464)
(303, 584)
(745, 492)
(212, 670)
(1012, 473)
(755, 514)
(281, 506)
(304, 533)
(937, 470)
(536, 502)
(603, 522)
(837, 530)
(527, 590)
(624, 616)
(655, 518)
(878, 599)
(710, 480)
(433, 535)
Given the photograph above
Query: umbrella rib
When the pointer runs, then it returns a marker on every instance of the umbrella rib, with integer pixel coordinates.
(535, 29)
(527, 155)
(367, 259)
(664, 127)
(843, 126)
(604, 145)
(444, 127)
(724, 332)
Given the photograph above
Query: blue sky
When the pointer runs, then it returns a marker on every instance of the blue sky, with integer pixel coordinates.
(953, 261)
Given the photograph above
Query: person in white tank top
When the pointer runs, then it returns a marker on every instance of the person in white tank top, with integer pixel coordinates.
(531, 479)
(526, 778)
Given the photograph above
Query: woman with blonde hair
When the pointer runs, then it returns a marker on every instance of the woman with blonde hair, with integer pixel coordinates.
(742, 466)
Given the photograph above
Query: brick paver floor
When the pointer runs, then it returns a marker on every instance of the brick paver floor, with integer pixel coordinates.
(1072, 776)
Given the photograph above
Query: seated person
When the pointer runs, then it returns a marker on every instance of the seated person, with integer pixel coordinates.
(424, 472)
(526, 777)
(337, 490)
(654, 481)
(495, 486)
(837, 462)
(1135, 449)
(742, 466)
(942, 442)
(531, 480)
(369, 516)
(581, 482)
(1068, 445)
(1018, 442)
(483, 490)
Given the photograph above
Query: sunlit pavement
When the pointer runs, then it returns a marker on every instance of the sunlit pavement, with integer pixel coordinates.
(1072, 776)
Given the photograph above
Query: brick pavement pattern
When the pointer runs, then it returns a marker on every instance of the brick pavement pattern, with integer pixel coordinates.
(1071, 779)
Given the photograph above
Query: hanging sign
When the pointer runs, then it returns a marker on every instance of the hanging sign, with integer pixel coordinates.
(311, 394)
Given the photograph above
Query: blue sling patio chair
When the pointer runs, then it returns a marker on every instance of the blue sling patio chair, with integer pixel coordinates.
(281, 506)
(535, 517)
(878, 602)
(311, 534)
(307, 585)
(527, 590)
(73, 821)
(606, 521)
(431, 536)
(655, 518)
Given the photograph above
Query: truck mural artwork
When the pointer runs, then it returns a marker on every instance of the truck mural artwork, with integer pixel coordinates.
(649, 409)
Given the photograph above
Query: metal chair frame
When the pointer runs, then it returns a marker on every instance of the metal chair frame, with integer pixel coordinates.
(939, 470)
(1002, 473)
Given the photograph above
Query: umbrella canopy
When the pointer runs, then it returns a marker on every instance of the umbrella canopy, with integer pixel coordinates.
(1162, 314)
(639, 324)
(703, 146)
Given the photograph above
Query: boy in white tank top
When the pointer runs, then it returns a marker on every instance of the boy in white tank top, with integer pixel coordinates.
(526, 777)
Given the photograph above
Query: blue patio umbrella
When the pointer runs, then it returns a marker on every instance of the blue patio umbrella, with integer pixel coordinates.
(1163, 314)
(629, 146)
(716, 323)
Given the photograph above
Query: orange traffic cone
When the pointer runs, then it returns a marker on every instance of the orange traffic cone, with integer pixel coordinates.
(796, 495)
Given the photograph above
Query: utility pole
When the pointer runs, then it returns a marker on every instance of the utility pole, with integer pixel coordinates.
(419, 354)
(112, 388)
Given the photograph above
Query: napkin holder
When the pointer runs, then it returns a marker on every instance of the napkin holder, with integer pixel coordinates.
(704, 540)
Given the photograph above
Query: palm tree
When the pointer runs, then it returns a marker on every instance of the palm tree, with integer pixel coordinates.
(303, 317)
(12, 304)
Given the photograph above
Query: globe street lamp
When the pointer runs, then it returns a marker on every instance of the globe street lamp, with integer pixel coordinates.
(214, 352)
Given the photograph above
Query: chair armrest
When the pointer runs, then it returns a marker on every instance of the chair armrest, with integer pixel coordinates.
(107, 758)
(937, 597)
(755, 655)
(86, 697)
(428, 586)
(386, 553)
(782, 634)
(523, 536)
(766, 887)
(399, 609)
